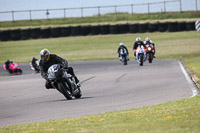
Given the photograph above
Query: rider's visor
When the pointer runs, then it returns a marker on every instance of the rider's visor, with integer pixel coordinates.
(43, 56)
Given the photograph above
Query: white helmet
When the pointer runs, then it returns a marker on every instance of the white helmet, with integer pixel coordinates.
(121, 43)
(45, 54)
(138, 39)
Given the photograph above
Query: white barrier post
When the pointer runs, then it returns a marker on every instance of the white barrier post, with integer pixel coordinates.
(197, 25)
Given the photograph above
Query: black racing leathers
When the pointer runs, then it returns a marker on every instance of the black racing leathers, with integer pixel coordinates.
(54, 59)
(122, 47)
(136, 44)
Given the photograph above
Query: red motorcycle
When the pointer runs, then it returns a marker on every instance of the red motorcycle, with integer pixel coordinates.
(13, 68)
(150, 52)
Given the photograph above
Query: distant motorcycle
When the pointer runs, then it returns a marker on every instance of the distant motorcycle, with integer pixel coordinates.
(124, 57)
(13, 68)
(35, 65)
(64, 82)
(150, 52)
(140, 55)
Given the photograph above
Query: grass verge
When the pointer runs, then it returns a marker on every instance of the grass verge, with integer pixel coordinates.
(179, 116)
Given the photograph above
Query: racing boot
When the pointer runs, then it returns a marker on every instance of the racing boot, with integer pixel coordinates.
(77, 81)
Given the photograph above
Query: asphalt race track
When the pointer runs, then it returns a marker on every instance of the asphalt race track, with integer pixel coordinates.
(106, 86)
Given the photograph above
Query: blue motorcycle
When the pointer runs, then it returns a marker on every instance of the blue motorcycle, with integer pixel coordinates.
(140, 55)
(124, 57)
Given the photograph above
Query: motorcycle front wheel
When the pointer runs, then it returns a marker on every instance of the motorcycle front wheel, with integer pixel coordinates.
(150, 57)
(64, 89)
(79, 93)
(141, 60)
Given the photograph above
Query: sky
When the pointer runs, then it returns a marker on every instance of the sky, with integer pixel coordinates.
(10, 5)
(26, 5)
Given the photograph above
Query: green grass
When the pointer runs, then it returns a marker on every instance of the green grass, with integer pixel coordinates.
(107, 18)
(179, 116)
(168, 45)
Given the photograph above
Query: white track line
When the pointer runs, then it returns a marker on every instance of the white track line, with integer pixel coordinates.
(189, 80)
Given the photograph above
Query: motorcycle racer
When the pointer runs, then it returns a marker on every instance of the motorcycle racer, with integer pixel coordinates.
(124, 48)
(48, 60)
(7, 64)
(137, 43)
(148, 41)
(35, 64)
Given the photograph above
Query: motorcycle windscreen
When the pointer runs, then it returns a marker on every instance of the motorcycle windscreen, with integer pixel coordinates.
(51, 71)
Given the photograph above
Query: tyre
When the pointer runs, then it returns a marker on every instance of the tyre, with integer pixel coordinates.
(153, 27)
(79, 93)
(143, 27)
(56, 32)
(65, 31)
(64, 89)
(123, 28)
(25, 34)
(133, 28)
(20, 71)
(85, 30)
(15, 34)
(162, 27)
(104, 29)
(190, 26)
(172, 26)
(114, 29)
(150, 57)
(45, 32)
(35, 33)
(95, 30)
(75, 30)
(5, 35)
(141, 60)
(181, 26)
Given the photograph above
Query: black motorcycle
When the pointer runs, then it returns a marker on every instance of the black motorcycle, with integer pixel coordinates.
(64, 82)
(35, 65)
